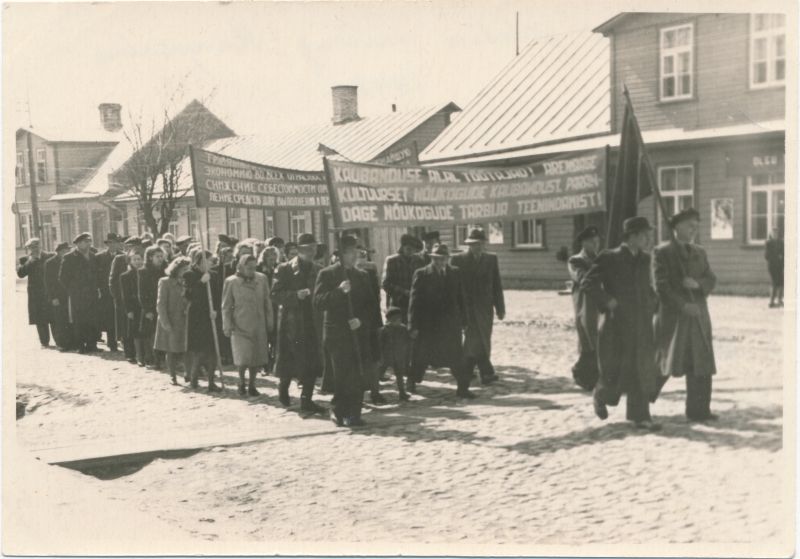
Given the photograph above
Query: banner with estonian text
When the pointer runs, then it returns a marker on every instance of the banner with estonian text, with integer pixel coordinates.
(220, 180)
(366, 195)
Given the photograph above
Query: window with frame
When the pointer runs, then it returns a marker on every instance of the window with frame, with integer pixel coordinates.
(25, 228)
(767, 50)
(67, 222)
(235, 223)
(676, 185)
(174, 224)
(299, 222)
(19, 172)
(49, 231)
(117, 222)
(269, 224)
(194, 226)
(99, 224)
(41, 165)
(677, 61)
(529, 233)
(766, 205)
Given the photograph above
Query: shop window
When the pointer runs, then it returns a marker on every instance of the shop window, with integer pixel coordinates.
(766, 206)
(19, 172)
(767, 50)
(41, 165)
(677, 60)
(676, 184)
(529, 233)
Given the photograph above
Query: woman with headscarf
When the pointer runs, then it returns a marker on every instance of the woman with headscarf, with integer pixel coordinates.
(200, 351)
(172, 307)
(148, 277)
(246, 319)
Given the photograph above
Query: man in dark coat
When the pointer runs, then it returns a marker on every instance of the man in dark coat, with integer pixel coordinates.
(118, 267)
(32, 267)
(773, 254)
(584, 371)
(79, 276)
(483, 297)
(619, 284)
(398, 271)
(346, 297)
(104, 260)
(683, 280)
(57, 299)
(299, 351)
(436, 317)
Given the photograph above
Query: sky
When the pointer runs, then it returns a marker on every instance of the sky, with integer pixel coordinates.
(263, 67)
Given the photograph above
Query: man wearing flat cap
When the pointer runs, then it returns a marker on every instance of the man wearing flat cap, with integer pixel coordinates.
(584, 371)
(436, 318)
(79, 276)
(57, 299)
(398, 271)
(619, 284)
(105, 260)
(299, 344)
(118, 267)
(683, 280)
(483, 298)
(32, 267)
(182, 244)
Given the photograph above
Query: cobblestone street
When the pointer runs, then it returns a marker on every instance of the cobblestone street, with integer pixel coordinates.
(525, 464)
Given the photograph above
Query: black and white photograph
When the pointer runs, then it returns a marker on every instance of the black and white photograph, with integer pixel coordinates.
(384, 278)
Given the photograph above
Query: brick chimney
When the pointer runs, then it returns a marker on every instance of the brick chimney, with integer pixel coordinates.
(345, 103)
(110, 116)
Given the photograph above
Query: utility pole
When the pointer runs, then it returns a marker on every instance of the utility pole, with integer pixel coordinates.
(34, 200)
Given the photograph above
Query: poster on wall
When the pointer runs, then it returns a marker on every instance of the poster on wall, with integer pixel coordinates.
(722, 218)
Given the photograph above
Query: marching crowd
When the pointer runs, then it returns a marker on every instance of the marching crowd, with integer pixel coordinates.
(295, 310)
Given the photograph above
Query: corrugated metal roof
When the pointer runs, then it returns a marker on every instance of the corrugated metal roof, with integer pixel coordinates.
(557, 88)
(360, 140)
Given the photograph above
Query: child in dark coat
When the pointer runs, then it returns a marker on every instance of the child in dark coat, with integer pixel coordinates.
(396, 348)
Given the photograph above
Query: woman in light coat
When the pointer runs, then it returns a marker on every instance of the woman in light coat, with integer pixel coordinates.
(172, 311)
(247, 318)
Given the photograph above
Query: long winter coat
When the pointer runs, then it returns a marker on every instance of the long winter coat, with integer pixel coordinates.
(172, 313)
(684, 343)
(38, 306)
(483, 296)
(129, 303)
(436, 310)
(626, 349)
(200, 337)
(148, 297)
(299, 323)
(398, 271)
(118, 267)
(62, 333)
(247, 316)
(78, 275)
(106, 311)
(585, 310)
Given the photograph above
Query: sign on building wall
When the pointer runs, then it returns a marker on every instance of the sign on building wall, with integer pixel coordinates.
(368, 195)
(223, 181)
(741, 164)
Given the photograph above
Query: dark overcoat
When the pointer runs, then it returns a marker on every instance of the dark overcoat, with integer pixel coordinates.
(38, 305)
(200, 337)
(223, 271)
(129, 303)
(148, 298)
(118, 267)
(78, 275)
(585, 309)
(59, 314)
(773, 254)
(683, 343)
(299, 323)
(626, 348)
(436, 311)
(104, 260)
(483, 296)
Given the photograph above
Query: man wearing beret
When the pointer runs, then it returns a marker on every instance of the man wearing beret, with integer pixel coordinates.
(78, 275)
(398, 271)
(683, 280)
(57, 299)
(619, 284)
(104, 260)
(584, 371)
(483, 298)
(32, 267)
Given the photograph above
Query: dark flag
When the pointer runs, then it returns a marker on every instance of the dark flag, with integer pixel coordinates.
(635, 178)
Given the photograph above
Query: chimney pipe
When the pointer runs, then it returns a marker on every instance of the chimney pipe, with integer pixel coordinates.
(110, 116)
(394, 108)
(345, 103)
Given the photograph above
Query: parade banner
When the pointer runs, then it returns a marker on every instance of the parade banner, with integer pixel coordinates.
(220, 180)
(367, 195)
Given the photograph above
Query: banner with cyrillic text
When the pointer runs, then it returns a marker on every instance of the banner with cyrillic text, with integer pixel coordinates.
(365, 195)
(220, 180)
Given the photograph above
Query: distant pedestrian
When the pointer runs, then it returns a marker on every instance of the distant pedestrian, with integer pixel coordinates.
(129, 307)
(395, 342)
(246, 319)
(171, 316)
(149, 275)
(182, 245)
(79, 276)
(119, 266)
(290, 250)
(374, 371)
(773, 254)
(585, 371)
(105, 259)
(619, 284)
(168, 247)
(684, 344)
(483, 298)
(200, 350)
(225, 268)
(280, 244)
(57, 298)
(267, 265)
(32, 267)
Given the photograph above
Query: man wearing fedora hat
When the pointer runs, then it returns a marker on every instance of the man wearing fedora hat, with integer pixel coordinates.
(398, 271)
(619, 284)
(104, 260)
(79, 276)
(32, 267)
(584, 371)
(56, 297)
(436, 317)
(683, 280)
(299, 346)
(430, 240)
(483, 298)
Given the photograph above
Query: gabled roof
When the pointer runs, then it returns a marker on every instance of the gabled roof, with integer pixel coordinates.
(77, 134)
(611, 23)
(359, 140)
(557, 88)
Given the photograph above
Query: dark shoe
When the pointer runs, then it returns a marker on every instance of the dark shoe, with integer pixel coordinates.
(377, 398)
(310, 406)
(465, 393)
(489, 380)
(174, 380)
(600, 409)
(213, 387)
(251, 391)
(648, 425)
(336, 420)
(132, 360)
(242, 389)
(404, 397)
